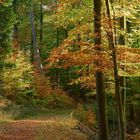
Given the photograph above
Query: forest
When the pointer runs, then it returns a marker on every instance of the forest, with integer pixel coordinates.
(69, 69)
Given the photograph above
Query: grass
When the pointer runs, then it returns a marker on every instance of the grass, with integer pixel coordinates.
(50, 124)
(34, 114)
(5, 116)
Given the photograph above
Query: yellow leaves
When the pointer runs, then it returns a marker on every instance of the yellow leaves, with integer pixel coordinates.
(91, 117)
(2, 2)
(128, 9)
(74, 52)
(129, 69)
(129, 61)
(67, 3)
(83, 30)
(87, 81)
(18, 76)
(72, 12)
(78, 49)
(132, 52)
(86, 116)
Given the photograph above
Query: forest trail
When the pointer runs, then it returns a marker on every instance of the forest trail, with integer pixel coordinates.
(40, 129)
(45, 128)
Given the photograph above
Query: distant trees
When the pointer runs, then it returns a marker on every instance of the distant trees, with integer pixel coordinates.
(16, 71)
(6, 24)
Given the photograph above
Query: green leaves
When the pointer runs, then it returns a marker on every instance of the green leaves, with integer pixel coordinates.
(6, 3)
(72, 13)
(17, 75)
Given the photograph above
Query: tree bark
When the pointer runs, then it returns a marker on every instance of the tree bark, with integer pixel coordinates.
(100, 88)
(116, 75)
(41, 21)
(37, 58)
(16, 30)
(123, 78)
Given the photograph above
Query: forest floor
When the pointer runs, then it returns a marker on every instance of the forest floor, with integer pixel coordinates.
(40, 129)
(51, 125)
(44, 129)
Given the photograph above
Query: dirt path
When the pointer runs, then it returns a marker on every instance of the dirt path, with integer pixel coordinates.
(51, 129)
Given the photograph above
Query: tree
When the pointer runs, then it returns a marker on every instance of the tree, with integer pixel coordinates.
(122, 41)
(6, 24)
(36, 53)
(100, 87)
(80, 54)
(116, 75)
(41, 20)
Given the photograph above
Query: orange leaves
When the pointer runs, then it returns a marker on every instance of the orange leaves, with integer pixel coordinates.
(130, 55)
(64, 56)
(84, 30)
(80, 54)
(87, 81)
(129, 61)
(64, 3)
(42, 85)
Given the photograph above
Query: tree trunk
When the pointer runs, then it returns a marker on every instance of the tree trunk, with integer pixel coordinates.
(41, 21)
(16, 31)
(37, 59)
(15, 38)
(57, 36)
(100, 88)
(131, 112)
(123, 78)
(116, 76)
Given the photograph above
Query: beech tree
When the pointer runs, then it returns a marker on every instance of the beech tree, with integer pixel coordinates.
(100, 87)
(83, 56)
(116, 76)
(53, 51)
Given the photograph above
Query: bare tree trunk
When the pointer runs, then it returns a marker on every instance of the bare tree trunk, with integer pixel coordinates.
(100, 88)
(16, 32)
(123, 78)
(116, 76)
(131, 106)
(37, 59)
(57, 36)
(16, 38)
(41, 21)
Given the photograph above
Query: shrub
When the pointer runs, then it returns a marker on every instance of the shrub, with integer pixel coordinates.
(17, 75)
(85, 115)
